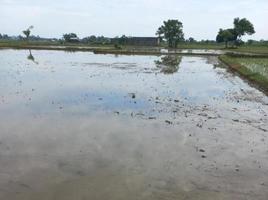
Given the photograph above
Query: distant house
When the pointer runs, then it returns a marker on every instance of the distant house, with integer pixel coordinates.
(143, 41)
(137, 41)
(74, 39)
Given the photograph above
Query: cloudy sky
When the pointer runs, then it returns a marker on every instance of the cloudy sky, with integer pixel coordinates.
(201, 18)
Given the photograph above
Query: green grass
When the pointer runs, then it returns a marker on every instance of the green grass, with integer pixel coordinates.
(256, 49)
(254, 69)
(252, 49)
(98, 48)
(11, 43)
(77, 46)
(44, 45)
(56, 43)
(255, 65)
(200, 46)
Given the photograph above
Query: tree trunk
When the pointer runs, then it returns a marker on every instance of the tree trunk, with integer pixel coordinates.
(170, 43)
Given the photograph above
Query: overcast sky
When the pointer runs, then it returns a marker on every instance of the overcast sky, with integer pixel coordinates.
(201, 18)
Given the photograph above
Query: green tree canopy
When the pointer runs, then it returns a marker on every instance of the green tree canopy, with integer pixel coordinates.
(89, 39)
(68, 37)
(27, 32)
(242, 27)
(191, 40)
(172, 32)
(226, 36)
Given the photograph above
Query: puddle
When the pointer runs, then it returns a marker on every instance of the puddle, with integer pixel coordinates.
(84, 126)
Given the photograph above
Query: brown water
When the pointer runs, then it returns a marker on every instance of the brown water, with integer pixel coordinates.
(79, 126)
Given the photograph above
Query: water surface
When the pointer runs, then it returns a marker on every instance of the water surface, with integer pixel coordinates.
(84, 126)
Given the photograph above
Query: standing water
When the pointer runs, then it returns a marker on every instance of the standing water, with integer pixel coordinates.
(83, 126)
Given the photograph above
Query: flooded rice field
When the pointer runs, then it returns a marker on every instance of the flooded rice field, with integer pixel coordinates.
(256, 65)
(78, 126)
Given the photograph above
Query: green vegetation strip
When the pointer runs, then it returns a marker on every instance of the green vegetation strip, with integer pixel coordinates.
(253, 69)
(246, 55)
(261, 49)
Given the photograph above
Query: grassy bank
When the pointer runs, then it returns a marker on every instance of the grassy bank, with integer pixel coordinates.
(252, 49)
(45, 45)
(253, 69)
(102, 49)
(25, 44)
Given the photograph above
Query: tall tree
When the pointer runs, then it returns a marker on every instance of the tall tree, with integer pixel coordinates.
(68, 37)
(191, 40)
(243, 27)
(225, 36)
(27, 32)
(172, 32)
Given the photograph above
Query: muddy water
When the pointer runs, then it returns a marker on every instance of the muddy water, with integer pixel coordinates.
(78, 126)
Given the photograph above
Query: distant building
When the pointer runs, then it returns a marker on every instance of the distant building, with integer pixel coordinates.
(137, 41)
(143, 41)
(74, 39)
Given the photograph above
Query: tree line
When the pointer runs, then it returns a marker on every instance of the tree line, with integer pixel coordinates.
(170, 33)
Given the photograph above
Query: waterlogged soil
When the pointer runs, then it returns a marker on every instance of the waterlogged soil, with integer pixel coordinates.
(78, 126)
